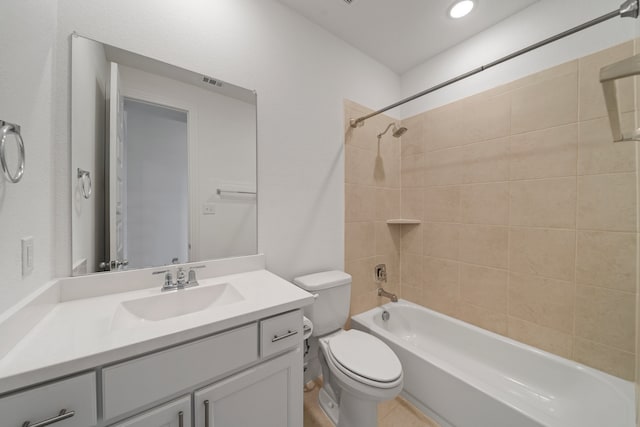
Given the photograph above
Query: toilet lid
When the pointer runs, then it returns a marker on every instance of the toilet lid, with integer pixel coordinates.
(365, 355)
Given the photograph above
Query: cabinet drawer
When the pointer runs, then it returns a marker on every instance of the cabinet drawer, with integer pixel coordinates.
(147, 379)
(280, 333)
(77, 394)
(173, 414)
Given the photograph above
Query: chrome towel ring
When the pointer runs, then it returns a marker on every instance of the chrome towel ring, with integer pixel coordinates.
(85, 182)
(7, 129)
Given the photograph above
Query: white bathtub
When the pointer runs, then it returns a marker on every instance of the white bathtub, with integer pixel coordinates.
(464, 376)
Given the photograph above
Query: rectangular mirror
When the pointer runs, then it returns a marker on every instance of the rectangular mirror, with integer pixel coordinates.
(163, 161)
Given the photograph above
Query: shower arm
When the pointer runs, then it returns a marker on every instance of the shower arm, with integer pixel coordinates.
(380, 135)
(628, 9)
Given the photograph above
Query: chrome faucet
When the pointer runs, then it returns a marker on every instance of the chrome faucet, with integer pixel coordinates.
(383, 293)
(183, 279)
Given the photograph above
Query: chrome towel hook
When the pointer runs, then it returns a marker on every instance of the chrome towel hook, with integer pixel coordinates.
(85, 182)
(7, 129)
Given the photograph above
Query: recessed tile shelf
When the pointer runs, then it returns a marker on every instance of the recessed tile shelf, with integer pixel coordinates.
(403, 221)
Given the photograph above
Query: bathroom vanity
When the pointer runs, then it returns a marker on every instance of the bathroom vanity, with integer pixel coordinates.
(113, 350)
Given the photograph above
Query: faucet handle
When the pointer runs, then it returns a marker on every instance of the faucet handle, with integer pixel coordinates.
(193, 281)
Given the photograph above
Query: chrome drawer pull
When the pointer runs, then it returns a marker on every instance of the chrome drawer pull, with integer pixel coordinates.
(206, 413)
(281, 337)
(63, 415)
(180, 419)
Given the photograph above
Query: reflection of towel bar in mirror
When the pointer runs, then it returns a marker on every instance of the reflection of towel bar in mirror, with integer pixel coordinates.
(220, 192)
(608, 75)
(7, 129)
(85, 183)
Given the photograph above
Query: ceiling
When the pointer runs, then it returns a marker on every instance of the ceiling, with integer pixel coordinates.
(403, 33)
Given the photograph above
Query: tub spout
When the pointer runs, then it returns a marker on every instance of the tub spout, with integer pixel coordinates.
(383, 293)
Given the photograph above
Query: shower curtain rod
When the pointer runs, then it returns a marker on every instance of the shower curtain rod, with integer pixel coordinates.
(629, 8)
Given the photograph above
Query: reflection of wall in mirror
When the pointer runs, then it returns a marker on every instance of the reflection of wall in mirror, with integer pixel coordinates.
(223, 153)
(89, 85)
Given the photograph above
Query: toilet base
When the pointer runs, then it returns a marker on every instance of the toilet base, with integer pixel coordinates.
(352, 411)
(328, 406)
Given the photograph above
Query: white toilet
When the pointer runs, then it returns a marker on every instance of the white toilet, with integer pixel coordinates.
(358, 369)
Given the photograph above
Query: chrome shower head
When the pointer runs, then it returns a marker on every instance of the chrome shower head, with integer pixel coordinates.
(397, 132)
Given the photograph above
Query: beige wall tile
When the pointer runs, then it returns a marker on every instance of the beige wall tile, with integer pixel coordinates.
(413, 171)
(441, 240)
(606, 316)
(387, 239)
(545, 302)
(386, 170)
(484, 162)
(483, 318)
(544, 203)
(412, 203)
(484, 245)
(607, 202)
(411, 293)
(359, 166)
(607, 260)
(361, 271)
(413, 140)
(387, 203)
(545, 153)
(547, 339)
(485, 203)
(591, 97)
(412, 270)
(543, 252)
(360, 203)
(616, 362)
(597, 153)
(570, 67)
(363, 302)
(412, 239)
(445, 167)
(441, 290)
(484, 287)
(442, 204)
(359, 239)
(470, 120)
(542, 105)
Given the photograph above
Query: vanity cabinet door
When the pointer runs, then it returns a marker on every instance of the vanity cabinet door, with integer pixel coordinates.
(172, 414)
(267, 395)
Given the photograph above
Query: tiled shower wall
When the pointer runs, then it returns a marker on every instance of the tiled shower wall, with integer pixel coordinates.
(372, 192)
(529, 222)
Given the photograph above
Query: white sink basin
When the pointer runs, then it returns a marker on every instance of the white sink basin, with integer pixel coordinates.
(173, 304)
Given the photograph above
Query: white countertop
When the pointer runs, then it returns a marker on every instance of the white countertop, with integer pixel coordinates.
(79, 334)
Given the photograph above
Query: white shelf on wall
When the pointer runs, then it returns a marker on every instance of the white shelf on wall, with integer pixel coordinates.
(402, 221)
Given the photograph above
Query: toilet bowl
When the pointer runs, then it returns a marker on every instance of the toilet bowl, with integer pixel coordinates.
(358, 369)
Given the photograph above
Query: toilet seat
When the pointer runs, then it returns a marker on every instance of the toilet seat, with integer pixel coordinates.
(364, 358)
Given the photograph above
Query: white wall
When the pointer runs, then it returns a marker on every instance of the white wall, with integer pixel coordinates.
(541, 20)
(90, 76)
(27, 43)
(301, 74)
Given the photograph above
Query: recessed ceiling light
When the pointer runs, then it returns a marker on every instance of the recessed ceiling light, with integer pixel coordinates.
(461, 8)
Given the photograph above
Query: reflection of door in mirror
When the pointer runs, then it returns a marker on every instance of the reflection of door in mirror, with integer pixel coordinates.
(174, 160)
(157, 193)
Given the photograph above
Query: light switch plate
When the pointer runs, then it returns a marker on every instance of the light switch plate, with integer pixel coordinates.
(27, 255)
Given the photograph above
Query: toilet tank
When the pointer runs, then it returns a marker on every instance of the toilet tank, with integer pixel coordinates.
(330, 309)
